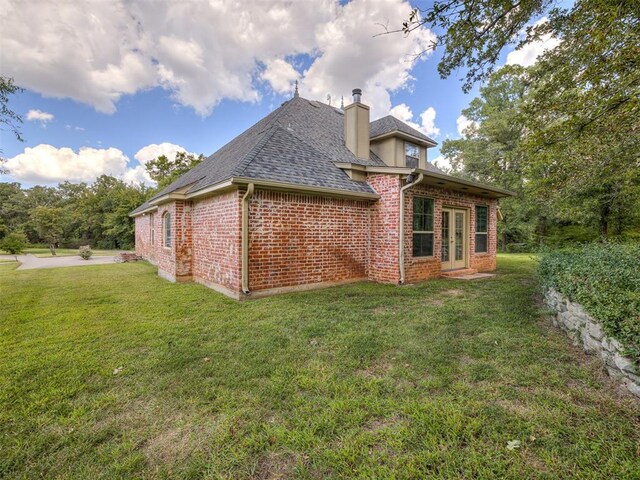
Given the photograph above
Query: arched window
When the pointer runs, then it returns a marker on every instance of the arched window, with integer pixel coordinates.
(166, 221)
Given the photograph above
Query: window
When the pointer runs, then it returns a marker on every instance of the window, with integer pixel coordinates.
(411, 155)
(152, 229)
(167, 229)
(482, 223)
(423, 226)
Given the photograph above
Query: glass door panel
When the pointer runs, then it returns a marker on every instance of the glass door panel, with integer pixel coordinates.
(459, 236)
(445, 236)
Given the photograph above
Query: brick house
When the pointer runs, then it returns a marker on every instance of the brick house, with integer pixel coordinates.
(313, 196)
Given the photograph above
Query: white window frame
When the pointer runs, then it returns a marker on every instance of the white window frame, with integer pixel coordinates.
(166, 230)
(432, 231)
(486, 232)
(152, 228)
(417, 159)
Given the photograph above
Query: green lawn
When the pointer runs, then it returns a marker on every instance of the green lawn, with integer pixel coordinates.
(62, 252)
(110, 372)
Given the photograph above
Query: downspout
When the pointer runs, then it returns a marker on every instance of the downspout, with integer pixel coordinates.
(245, 238)
(401, 237)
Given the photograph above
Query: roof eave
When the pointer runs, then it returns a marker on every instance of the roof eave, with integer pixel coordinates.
(493, 192)
(285, 186)
(406, 136)
(142, 212)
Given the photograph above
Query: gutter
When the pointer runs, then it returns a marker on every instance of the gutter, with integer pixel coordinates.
(401, 236)
(245, 238)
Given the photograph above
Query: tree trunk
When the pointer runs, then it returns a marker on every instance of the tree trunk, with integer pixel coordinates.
(542, 228)
(605, 213)
(52, 249)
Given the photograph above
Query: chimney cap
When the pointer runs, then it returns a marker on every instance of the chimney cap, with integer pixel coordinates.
(357, 93)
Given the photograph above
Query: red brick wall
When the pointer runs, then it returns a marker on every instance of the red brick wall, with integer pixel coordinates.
(417, 269)
(300, 239)
(217, 240)
(144, 248)
(303, 239)
(385, 215)
(175, 261)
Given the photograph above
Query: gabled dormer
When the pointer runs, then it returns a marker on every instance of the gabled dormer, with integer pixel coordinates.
(397, 144)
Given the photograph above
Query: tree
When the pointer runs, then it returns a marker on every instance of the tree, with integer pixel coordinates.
(49, 223)
(584, 110)
(581, 111)
(8, 118)
(14, 243)
(491, 152)
(164, 171)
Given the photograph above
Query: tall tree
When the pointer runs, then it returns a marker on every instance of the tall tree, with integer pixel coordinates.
(8, 118)
(164, 171)
(582, 108)
(49, 223)
(491, 151)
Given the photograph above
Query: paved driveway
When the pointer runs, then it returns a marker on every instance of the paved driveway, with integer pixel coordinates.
(29, 262)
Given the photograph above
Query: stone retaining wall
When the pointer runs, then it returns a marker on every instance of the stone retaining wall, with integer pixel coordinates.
(586, 331)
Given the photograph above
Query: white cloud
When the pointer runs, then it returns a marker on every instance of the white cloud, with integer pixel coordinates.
(351, 56)
(280, 75)
(39, 116)
(137, 175)
(154, 150)
(462, 123)
(46, 164)
(203, 52)
(427, 123)
(528, 55)
(443, 164)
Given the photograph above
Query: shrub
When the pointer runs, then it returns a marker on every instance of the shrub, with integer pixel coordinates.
(605, 280)
(85, 252)
(15, 242)
(519, 248)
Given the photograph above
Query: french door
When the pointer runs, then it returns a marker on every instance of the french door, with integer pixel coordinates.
(454, 238)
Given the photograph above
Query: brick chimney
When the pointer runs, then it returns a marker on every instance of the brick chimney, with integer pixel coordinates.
(356, 126)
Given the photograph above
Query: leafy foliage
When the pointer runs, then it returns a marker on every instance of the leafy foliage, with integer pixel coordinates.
(14, 242)
(8, 118)
(49, 223)
(73, 214)
(475, 32)
(85, 252)
(605, 280)
(564, 134)
(164, 171)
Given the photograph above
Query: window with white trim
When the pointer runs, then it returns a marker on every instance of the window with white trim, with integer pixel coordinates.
(411, 155)
(166, 220)
(482, 230)
(423, 214)
(152, 228)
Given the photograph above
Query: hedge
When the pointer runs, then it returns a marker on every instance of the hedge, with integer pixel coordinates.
(605, 280)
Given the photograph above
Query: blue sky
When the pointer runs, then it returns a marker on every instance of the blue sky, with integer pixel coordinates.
(120, 100)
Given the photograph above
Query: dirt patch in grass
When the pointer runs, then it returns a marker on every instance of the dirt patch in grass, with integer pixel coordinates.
(174, 444)
(384, 423)
(377, 370)
(276, 465)
(453, 292)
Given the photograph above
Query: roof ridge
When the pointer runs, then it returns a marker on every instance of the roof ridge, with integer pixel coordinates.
(253, 153)
(302, 140)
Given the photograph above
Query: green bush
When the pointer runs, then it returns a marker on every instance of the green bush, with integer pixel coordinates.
(85, 252)
(605, 280)
(519, 248)
(15, 242)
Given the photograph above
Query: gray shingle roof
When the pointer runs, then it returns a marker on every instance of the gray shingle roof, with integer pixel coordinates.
(297, 143)
(390, 124)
